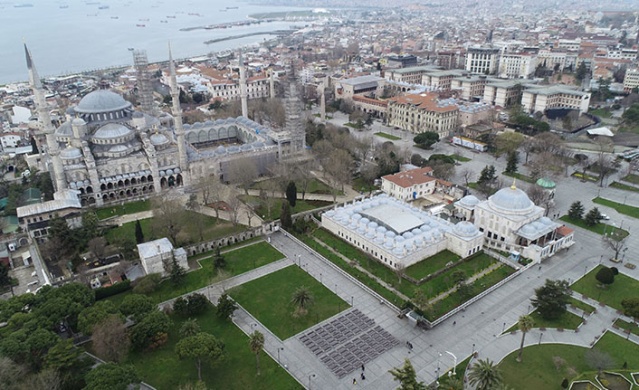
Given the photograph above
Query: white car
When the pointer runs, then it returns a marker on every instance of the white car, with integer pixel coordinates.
(605, 217)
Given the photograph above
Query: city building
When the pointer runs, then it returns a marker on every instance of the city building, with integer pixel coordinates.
(397, 234)
(409, 185)
(539, 99)
(503, 93)
(347, 88)
(423, 112)
(511, 222)
(158, 256)
(482, 60)
(34, 218)
(631, 80)
(517, 65)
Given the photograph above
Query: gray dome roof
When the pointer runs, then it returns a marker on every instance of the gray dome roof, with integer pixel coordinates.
(469, 200)
(101, 101)
(112, 130)
(70, 153)
(158, 139)
(78, 122)
(511, 199)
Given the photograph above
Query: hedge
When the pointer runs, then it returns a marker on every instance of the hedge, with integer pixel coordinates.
(104, 292)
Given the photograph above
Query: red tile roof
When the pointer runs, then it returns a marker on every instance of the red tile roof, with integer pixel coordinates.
(412, 177)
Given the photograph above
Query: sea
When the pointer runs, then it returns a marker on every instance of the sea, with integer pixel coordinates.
(68, 36)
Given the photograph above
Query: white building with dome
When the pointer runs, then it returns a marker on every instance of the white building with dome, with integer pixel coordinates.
(397, 234)
(108, 152)
(511, 222)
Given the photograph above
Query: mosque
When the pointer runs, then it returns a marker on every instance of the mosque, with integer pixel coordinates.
(399, 235)
(106, 151)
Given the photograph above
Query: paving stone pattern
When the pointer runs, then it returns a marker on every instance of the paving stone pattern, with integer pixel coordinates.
(348, 341)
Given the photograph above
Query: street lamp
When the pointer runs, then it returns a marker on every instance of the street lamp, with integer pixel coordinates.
(439, 357)
(311, 376)
(473, 353)
(503, 327)
(540, 336)
(454, 362)
(278, 353)
(321, 280)
(351, 300)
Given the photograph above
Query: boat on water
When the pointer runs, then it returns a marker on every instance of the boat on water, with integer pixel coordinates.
(23, 5)
(170, 17)
(103, 7)
(64, 6)
(140, 25)
(232, 7)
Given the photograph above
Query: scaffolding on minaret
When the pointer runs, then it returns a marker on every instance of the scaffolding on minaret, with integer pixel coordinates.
(145, 89)
(293, 107)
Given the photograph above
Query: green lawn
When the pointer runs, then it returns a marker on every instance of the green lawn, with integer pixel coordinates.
(315, 186)
(361, 185)
(623, 287)
(565, 321)
(627, 326)
(519, 176)
(625, 187)
(238, 261)
(261, 208)
(212, 229)
(631, 178)
(387, 136)
(460, 158)
(599, 228)
(163, 370)
(580, 175)
(127, 208)
(581, 305)
(431, 264)
(621, 208)
(269, 300)
(545, 366)
(601, 112)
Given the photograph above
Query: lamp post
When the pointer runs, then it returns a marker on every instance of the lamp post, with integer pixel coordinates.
(351, 300)
(503, 327)
(278, 353)
(473, 353)
(321, 280)
(540, 336)
(454, 362)
(311, 376)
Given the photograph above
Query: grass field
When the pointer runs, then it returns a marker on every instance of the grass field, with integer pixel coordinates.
(627, 326)
(238, 261)
(621, 208)
(601, 112)
(622, 288)
(580, 175)
(261, 208)
(625, 187)
(519, 176)
(127, 208)
(387, 136)
(315, 186)
(431, 264)
(631, 178)
(164, 371)
(269, 300)
(565, 321)
(545, 366)
(581, 305)
(460, 158)
(599, 228)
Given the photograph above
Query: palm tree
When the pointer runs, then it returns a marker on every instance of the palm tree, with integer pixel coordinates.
(189, 328)
(484, 375)
(525, 324)
(256, 343)
(303, 299)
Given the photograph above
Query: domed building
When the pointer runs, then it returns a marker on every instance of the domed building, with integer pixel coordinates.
(511, 222)
(109, 152)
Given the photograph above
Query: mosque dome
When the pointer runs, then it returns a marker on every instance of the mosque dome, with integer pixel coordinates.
(511, 199)
(70, 153)
(546, 183)
(101, 101)
(469, 200)
(158, 139)
(111, 131)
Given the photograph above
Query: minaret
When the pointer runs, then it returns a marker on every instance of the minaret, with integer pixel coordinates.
(292, 106)
(322, 102)
(243, 93)
(53, 150)
(177, 117)
(272, 84)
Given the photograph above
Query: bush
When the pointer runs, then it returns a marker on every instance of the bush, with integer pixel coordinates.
(105, 292)
(146, 284)
(615, 270)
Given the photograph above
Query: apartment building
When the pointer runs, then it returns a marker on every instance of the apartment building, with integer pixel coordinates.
(543, 98)
(503, 93)
(631, 80)
(471, 87)
(440, 79)
(412, 75)
(517, 66)
(482, 60)
(256, 87)
(423, 112)
(557, 59)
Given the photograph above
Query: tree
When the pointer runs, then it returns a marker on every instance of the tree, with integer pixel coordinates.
(242, 172)
(593, 217)
(48, 379)
(110, 339)
(256, 343)
(487, 175)
(598, 360)
(38, 344)
(576, 211)
(484, 375)
(291, 193)
(631, 307)
(175, 270)
(97, 246)
(153, 327)
(5, 279)
(338, 168)
(201, 347)
(139, 234)
(137, 306)
(225, 306)
(197, 303)
(181, 306)
(62, 356)
(169, 218)
(525, 324)
(551, 299)
(93, 315)
(582, 71)
(616, 240)
(466, 174)
(407, 377)
(189, 328)
(147, 284)
(218, 260)
(426, 139)
(508, 142)
(302, 299)
(285, 216)
(111, 376)
(605, 276)
(513, 160)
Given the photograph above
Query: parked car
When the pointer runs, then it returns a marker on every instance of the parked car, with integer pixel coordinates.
(605, 217)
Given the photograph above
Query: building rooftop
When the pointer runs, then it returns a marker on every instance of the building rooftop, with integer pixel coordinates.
(155, 248)
(412, 177)
(426, 101)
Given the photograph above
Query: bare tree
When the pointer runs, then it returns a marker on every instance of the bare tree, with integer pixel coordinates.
(599, 360)
(97, 245)
(338, 168)
(242, 172)
(169, 217)
(466, 173)
(540, 197)
(235, 204)
(605, 163)
(47, 379)
(110, 339)
(303, 176)
(616, 240)
(528, 147)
